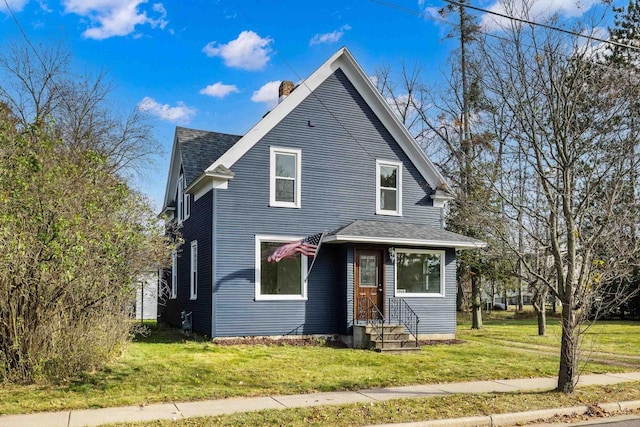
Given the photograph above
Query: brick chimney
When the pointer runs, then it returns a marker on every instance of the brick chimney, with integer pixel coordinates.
(285, 89)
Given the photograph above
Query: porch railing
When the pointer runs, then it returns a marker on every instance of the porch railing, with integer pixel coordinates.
(369, 312)
(399, 312)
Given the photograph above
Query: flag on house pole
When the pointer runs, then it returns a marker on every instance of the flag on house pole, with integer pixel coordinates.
(308, 246)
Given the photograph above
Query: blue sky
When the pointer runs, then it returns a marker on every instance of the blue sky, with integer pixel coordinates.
(216, 65)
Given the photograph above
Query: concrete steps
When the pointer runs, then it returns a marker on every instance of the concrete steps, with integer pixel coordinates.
(396, 340)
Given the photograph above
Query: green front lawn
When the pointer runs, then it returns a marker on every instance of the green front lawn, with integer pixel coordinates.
(602, 340)
(166, 367)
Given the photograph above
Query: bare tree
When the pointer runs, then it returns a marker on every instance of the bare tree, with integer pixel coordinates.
(565, 111)
(38, 86)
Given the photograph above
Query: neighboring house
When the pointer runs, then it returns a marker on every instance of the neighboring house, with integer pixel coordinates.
(146, 289)
(331, 156)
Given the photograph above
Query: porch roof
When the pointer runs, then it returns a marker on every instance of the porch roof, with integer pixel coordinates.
(401, 233)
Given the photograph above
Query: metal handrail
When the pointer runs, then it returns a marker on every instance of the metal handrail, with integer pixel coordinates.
(369, 311)
(400, 311)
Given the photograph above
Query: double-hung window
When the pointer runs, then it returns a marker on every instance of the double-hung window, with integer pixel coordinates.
(419, 273)
(183, 201)
(187, 205)
(194, 270)
(174, 275)
(388, 187)
(285, 177)
(180, 199)
(282, 280)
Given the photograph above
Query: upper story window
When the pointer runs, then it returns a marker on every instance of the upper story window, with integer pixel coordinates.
(285, 186)
(388, 187)
(183, 201)
(419, 273)
(180, 199)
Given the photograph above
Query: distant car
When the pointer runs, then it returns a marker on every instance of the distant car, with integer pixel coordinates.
(499, 306)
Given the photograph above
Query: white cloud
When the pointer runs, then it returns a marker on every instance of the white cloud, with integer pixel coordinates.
(14, 5)
(111, 18)
(431, 12)
(538, 11)
(178, 114)
(44, 6)
(218, 90)
(268, 94)
(328, 38)
(590, 47)
(249, 51)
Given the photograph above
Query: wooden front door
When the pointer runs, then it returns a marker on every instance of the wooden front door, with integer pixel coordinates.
(369, 284)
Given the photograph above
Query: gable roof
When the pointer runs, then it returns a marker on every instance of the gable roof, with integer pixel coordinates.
(343, 60)
(195, 150)
(401, 233)
(208, 153)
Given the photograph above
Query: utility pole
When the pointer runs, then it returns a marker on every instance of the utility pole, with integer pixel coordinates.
(465, 143)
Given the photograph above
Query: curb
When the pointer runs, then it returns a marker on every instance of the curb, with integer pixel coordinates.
(510, 419)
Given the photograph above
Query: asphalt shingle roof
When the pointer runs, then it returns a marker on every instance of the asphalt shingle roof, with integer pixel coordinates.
(200, 148)
(392, 231)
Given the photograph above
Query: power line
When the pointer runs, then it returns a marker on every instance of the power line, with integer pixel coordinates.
(547, 26)
(488, 34)
(50, 75)
(502, 15)
(24, 35)
(312, 92)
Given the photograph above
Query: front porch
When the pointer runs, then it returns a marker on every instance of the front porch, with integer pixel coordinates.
(396, 332)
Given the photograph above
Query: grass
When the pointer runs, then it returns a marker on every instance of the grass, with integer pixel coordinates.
(166, 367)
(406, 410)
(610, 341)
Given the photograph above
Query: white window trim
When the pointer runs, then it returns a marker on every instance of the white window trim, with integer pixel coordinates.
(441, 254)
(187, 205)
(272, 177)
(174, 275)
(180, 199)
(193, 277)
(303, 270)
(398, 165)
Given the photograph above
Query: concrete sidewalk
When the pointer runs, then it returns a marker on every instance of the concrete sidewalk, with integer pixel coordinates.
(178, 410)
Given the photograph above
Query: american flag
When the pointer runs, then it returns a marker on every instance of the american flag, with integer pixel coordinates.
(307, 246)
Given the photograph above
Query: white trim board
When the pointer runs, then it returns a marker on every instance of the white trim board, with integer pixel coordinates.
(401, 241)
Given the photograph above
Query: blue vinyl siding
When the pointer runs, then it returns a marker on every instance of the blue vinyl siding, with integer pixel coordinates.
(197, 227)
(339, 152)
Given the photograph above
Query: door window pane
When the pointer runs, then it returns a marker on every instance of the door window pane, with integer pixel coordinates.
(368, 272)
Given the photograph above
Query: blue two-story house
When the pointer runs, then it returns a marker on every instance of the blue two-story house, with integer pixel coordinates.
(330, 157)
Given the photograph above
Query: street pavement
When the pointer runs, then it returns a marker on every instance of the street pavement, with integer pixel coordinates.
(615, 421)
(180, 410)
